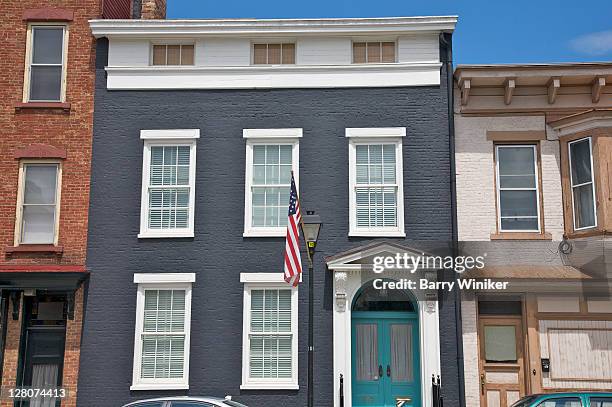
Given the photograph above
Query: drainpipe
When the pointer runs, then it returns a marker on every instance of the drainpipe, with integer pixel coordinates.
(446, 41)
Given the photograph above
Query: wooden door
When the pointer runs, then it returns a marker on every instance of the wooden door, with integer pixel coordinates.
(502, 369)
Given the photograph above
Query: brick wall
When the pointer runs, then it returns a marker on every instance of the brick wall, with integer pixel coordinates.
(71, 131)
(67, 131)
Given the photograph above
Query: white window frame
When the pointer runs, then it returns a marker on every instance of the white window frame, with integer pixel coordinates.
(288, 136)
(28, 61)
(21, 196)
(368, 136)
(176, 137)
(534, 148)
(161, 281)
(572, 186)
(271, 281)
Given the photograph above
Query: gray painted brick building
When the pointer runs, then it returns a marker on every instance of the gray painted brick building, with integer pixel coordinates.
(219, 255)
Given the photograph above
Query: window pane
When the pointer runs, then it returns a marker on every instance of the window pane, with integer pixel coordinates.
(581, 162)
(376, 207)
(187, 55)
(518, 203)
(48, 44)
(601, 401)
(38, 224)
(519, 224)
(561, 402)
(500, 343)
(584, 209)
(270, 352)
(516, 167)
(401, 353)
(159, 55)
(367, 352)
(162, 356)
(46, 83)
(174, 55)
(260, 54)
(274, 54)
(359, 52)
(272, 166)
(374, 52)
(288, 53)
(40, 184)
(388, 52)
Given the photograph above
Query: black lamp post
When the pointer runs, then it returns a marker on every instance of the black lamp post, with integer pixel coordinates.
(311, 225)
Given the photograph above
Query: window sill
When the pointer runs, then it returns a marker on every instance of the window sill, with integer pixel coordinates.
(590, 232)
(269, 386)
(521, 236)
(160, 386)
(43, 105)
(148, 235)
(34, 248)
(376, 233)
(272, 232)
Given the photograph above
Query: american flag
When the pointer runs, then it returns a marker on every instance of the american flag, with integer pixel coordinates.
(293, 261)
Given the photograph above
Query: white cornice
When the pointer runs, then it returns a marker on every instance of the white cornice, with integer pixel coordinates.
(270, 77)
(250, 27)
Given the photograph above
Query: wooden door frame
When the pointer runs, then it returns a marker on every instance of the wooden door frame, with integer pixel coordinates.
(517, 321)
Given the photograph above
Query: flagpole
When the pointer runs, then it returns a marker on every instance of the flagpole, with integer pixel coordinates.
(310, 313)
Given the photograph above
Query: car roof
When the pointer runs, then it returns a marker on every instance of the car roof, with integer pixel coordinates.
(177, 398)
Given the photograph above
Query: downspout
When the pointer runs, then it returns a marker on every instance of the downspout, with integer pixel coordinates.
(446, 40)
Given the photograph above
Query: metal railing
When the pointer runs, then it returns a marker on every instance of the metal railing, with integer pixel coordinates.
(436, 389)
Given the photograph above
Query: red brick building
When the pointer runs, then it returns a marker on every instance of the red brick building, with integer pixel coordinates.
(46, 116)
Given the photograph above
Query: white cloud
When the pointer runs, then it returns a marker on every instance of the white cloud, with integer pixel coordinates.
(598, 43)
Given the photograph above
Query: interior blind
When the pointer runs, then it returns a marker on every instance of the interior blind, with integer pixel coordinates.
(163, 337)
(169, 187)
(270, 338)
(375, 185)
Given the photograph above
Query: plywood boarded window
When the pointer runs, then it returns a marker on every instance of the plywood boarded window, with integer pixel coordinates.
(173, 54)
(374, 52)
(274, 54)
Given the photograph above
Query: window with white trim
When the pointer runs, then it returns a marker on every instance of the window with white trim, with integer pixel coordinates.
(168, 180)
(270, 334)
(271, 155)
(161, 347)
(38, 202)
(376, 182)
(517, 188)
(582, 183)
(46, 62)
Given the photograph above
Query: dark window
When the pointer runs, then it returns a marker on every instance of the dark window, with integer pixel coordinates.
(372, 299)
(601, 401)
(561, 402)
(525, 401)
(151, 404)
(3, 318)
(46, 64)
(191, 404)
(500, 308)
(233, 403)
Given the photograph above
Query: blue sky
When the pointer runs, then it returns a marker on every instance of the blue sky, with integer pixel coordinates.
(489, 31)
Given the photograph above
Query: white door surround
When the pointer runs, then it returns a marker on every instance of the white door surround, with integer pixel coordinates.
(351, 272)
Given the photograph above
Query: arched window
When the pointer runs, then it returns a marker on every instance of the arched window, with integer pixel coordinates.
(372, 299)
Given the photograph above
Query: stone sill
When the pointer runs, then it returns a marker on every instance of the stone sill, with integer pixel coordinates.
(42, 105)
(34, 248)
(521, 236)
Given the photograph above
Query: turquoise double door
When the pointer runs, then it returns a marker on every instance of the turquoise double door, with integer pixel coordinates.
(385, 359)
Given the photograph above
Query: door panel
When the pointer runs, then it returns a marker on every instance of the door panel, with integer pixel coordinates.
(368, 387)
(502, 380)
(402, 363)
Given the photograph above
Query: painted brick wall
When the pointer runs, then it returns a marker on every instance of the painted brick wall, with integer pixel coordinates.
(219, 253)
(475, 175)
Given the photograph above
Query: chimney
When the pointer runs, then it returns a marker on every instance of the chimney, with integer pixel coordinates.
(150, 9)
